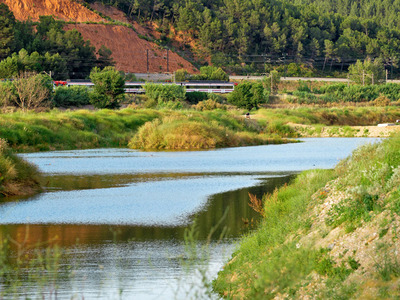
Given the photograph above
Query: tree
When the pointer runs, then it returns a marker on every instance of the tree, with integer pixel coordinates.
(367, 72)
(248, 95)
(33, 91)
(104, 59)
(181, 75)
(109, 88)
(7, 93)
(7, 22)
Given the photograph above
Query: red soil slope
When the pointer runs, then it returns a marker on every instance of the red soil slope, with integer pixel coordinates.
(67, 10)
(129, 51)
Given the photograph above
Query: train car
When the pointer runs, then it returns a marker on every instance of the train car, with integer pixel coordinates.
(192, 86)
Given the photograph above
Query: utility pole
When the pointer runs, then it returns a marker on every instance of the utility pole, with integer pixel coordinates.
(372, 78)
(167, 60)
(387, 72)
(147, 54)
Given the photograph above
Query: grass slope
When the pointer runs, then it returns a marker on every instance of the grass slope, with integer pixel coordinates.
(17, 177)
(330, 234)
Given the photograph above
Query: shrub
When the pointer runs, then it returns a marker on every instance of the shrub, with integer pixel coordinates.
(165, 92)
(71, 96)
(382, 101)
(181, 75)
(8, 94)
(208, 105)
(33, 91)
(196, 97)
(248, 95)
(108, 90)
(17, 177)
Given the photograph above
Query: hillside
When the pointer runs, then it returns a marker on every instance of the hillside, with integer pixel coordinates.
(129, 51)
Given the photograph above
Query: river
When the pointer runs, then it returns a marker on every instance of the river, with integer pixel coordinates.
(121, 216)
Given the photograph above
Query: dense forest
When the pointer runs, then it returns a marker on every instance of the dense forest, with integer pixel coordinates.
(318, 33)
(45, 46)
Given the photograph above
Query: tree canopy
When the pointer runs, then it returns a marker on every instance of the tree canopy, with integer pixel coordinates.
(46, 46)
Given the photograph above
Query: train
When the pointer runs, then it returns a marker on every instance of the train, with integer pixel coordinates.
(219, 87)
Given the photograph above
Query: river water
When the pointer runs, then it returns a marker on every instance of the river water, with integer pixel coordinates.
(121, 216)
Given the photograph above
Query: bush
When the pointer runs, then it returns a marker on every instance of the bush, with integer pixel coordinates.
(382, 101)
(181, 75)
(7, 93)
(162, 93)
(248, 95)
(108, 91)
(71, 96)
(196, 97)
(33, 91)
(208, 105)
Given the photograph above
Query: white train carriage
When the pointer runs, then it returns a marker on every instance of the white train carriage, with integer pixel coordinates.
(138, 87)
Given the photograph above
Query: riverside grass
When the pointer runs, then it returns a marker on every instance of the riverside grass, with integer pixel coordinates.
(351, 254)
(17, 177)
(193, 130)
(64, 130)
(58, 130)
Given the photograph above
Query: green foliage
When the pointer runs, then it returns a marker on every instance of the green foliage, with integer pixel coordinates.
(162, 93)
(8, 94)
(108, 90)
(206, 73)
(32, 91)
(81, 129)
(367, 72)
(213, 73)
(71, 96)
(196, 97)
(46, 46)
(7, 23)
(13, 65)
(17, 177)
(260, 273)
(267, 263)
(181, 75)
(248, 95)
(209, 105)
(179, 131)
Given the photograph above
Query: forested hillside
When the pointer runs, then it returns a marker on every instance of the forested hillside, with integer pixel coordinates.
(322, 33)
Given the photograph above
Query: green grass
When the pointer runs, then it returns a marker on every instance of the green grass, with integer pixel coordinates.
(272, 261)
(17, 177)
(56, 130)
(264, 258)
(177, 130)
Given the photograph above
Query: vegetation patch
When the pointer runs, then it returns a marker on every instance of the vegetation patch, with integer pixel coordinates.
(193, 130)
(56, 130)
(17, 177)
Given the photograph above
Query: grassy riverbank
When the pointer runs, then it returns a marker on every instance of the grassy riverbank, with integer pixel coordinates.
(330, 234)
(17, 177)
(178, 129)
(145, 128)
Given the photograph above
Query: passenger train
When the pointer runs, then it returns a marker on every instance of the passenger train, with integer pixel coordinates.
(218, 87)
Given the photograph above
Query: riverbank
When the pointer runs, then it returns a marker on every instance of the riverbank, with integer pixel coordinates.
(155, 129)
(17, 177)
(338, 238)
